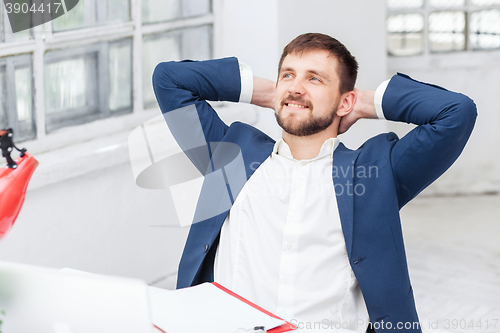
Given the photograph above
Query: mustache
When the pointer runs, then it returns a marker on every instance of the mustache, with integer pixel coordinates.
(301, 100)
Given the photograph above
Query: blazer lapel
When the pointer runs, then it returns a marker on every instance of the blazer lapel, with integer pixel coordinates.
(236, 173)
(251, 159)
(221, 187)
(342, 175)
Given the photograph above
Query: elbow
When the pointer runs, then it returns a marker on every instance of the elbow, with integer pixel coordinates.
(467, 114)
(469, 108)
(161, 77)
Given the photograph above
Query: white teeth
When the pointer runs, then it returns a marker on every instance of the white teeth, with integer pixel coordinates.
(296, 106)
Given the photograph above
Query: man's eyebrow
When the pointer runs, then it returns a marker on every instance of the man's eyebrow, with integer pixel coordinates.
(322, 74)
(286, 69)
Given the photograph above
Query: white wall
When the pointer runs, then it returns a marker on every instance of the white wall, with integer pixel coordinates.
(249, 31)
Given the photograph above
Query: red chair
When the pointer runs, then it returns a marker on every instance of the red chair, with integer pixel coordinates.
(14, 180)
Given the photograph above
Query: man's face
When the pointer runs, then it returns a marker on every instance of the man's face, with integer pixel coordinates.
(307, 93)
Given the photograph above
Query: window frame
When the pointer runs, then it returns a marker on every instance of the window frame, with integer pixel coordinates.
(98, 85)
(3, 21)
(178, 35)
(107, 81)
(426, 10)
(43, 40)
(9, 97)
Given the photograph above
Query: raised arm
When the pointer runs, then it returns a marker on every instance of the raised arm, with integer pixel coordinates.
(445, 121)
(185, 83)
(182, 89)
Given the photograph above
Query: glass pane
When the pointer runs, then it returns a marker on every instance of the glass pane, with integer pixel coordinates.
(405, 23)
(196, 43)
(195, 7)
(401, 4)
(82, 15)
(405, 34)
(23, 94)
(10, 37)
(118, 10)
(24, 103)
(22, 36)
(65, 85)
(485, 29)
(446, 3)
(485, 2)
(3, 116)
(160, 10)
(154, 51)
(1, 26)
(120, 76)
(446, 31)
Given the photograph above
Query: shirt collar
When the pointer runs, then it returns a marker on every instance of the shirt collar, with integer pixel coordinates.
(281, 148)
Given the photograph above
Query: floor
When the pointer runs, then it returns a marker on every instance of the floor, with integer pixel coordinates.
(454, 260)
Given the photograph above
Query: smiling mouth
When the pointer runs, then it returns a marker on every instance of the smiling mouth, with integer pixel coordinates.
(292, 105)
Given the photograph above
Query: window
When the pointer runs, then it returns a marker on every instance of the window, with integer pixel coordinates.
(447, 31)
(16, 96)
(120, 81)
(90, 13)
(3, 116)
(485, 29)
(191, 43)
(406, 34)
(168, 10)
(87, 83)
(6, 35)
(83, 66)
(434, 26)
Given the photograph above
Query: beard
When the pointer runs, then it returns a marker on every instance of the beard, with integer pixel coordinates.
(311, 125)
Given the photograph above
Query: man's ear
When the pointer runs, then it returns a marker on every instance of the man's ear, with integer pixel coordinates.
(347, 102)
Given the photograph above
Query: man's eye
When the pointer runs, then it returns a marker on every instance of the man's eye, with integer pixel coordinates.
(286, 76)
(314, 78)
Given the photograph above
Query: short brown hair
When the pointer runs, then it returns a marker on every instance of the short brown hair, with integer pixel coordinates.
(348, 66)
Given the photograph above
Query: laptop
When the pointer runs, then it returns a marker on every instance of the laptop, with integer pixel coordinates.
(44, 300)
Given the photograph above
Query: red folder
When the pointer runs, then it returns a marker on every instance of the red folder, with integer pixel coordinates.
(283, 328)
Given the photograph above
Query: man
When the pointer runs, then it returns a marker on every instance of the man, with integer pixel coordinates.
(314, 234)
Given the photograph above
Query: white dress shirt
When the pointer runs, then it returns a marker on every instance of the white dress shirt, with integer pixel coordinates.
(282, 245)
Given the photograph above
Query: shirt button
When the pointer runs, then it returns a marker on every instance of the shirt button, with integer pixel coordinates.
(205, 248)
(289, 246)
(284, 281)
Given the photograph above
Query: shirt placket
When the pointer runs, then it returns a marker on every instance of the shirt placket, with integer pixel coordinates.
(289, 247)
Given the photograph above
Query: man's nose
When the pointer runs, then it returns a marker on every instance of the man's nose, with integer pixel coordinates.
(296, 88)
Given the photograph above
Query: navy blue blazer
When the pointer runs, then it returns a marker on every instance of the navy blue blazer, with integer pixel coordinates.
(387, 171)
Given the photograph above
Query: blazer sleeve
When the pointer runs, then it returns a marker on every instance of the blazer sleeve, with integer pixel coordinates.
(182, 89)
(445, 121)
(185, 83)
